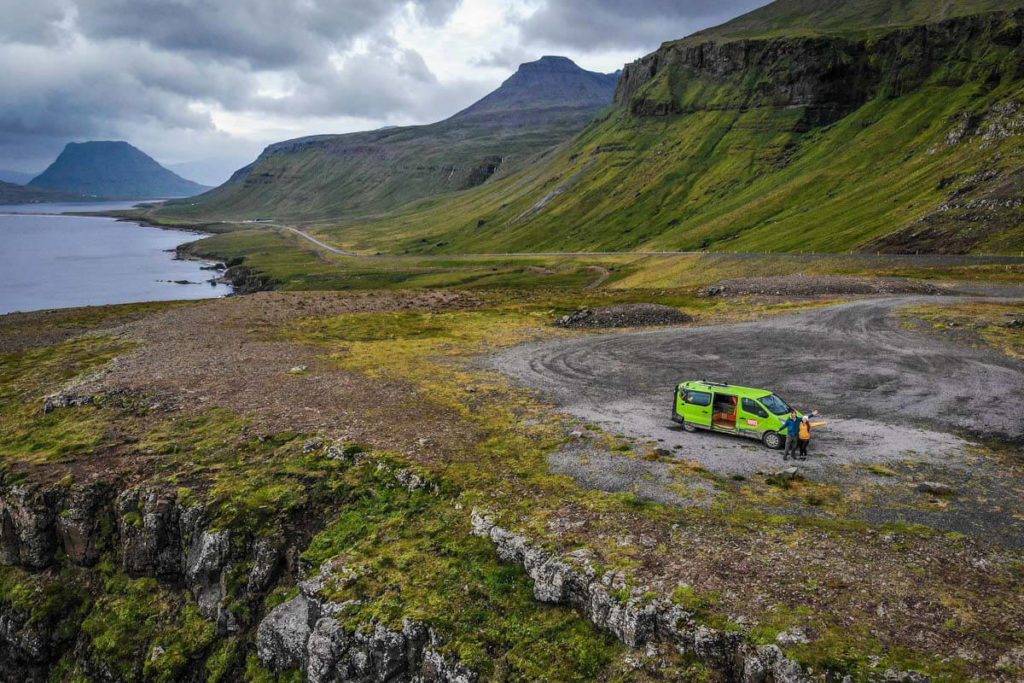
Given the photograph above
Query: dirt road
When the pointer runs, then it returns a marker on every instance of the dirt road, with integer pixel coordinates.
(888, 393)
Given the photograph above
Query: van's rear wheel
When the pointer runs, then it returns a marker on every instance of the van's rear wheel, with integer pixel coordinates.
(689, 427)
(772, 440)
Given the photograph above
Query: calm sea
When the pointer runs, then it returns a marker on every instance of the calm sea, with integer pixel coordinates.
(48, 260)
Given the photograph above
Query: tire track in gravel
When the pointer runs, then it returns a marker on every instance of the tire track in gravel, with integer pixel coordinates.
(886, 391)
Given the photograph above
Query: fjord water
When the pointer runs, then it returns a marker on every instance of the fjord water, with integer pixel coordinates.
(48, 260)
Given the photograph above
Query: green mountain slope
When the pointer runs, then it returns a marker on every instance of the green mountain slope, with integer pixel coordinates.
(112, 170)
(544, 103)
(908, 140)
(844, 17)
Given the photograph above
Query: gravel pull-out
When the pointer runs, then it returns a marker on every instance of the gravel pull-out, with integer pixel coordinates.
(853, 361)
(808, 285)
(625, 315)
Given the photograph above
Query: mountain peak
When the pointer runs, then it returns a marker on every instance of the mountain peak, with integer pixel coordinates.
(549, 82)
(550, 64)
(112, 169)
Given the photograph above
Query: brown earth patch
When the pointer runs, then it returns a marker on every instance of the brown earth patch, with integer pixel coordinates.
(230, 353)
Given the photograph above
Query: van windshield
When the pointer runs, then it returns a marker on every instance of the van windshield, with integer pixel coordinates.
(775, 404)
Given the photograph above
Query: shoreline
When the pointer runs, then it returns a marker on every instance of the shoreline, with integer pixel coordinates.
(212, 271)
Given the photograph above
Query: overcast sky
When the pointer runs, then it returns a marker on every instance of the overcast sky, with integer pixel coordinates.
(204, 85)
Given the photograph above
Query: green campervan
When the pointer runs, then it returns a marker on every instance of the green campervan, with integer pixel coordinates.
(754, 413)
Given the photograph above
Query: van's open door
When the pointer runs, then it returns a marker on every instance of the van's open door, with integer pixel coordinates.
(724, 412)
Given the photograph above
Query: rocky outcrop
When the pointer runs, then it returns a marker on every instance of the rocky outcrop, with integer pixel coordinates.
(826, 76)
(151, 533)
(245, 280)
(637, 620)
(27, 525)
(624, 315)
(305, 633)
(25, 649)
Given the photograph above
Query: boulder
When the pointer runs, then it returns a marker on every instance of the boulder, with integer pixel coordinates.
(282, 636)
(935, 488)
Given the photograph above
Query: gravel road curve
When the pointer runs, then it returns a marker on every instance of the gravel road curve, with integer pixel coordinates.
(887, 393)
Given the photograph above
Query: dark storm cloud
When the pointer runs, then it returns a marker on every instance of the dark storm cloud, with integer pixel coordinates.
(267, 34)
(77, 69)
(614, 24)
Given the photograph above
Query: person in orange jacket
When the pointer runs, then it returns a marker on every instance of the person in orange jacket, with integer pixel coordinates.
(805, 434)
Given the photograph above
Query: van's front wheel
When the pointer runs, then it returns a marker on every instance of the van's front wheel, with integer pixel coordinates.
(689, 427)
(772, 440)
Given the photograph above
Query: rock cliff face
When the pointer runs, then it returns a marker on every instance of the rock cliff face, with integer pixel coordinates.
(304, 633)
(149, 531)
(152, 533)
(827, 77)
(637, 620)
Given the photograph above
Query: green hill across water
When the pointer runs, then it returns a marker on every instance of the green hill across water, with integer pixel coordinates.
(112, 170)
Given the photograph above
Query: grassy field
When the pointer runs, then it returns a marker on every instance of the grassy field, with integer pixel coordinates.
(291, 263)
(487, 445)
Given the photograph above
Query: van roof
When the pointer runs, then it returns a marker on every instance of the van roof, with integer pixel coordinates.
(746, 392)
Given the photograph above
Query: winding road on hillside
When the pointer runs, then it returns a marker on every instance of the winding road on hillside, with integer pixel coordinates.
(886, 390)
(309, 238)
(936, 259)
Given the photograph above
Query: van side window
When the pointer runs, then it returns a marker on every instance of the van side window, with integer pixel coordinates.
(697, 398)
(754, 408)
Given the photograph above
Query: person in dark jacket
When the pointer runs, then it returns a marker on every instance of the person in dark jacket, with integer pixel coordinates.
(792, 427)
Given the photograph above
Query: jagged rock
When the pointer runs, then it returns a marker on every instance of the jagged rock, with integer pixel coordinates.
(791, 637)
(86, 511)
(282, 635)
(66, 400)
(265, 564)
(305, 633)
(245, 280)
(27, 532)
(312, 445)
(437, 669)
(570, 580)
(205, 568)
(768, 664)
(414, 482)
(148, 522)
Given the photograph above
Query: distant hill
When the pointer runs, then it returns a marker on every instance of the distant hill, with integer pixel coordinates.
(16, 177)
(12, 193)
(336, 176)
(112, 170)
